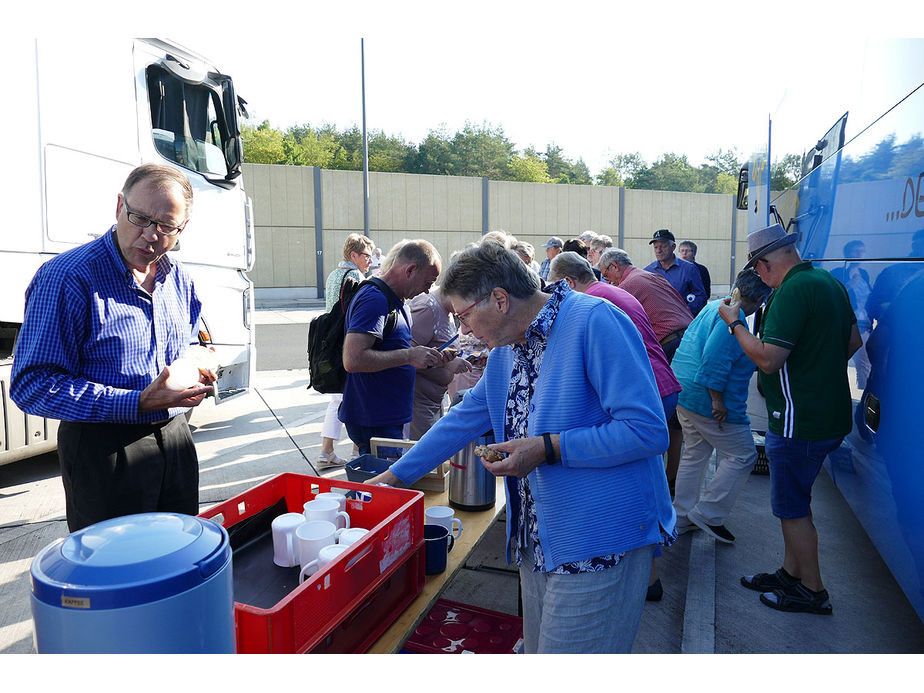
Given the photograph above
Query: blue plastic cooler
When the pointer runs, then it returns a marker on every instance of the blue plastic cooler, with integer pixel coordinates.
(153, 582)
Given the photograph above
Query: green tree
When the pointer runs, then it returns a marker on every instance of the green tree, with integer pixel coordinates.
(725, 161)
(559, 167)
(262, 144)
(481, 151)
(786, 172)
(725, 184)
(580, 174)
(529, 168)
(390, 154)
(670, 172)
(434, 154)
(629, 167)
(609, 176)
(305, 146)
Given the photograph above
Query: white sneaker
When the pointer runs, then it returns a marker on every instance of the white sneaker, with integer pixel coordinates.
(331, 460)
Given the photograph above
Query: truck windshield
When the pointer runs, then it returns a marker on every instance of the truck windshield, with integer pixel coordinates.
(190, 125)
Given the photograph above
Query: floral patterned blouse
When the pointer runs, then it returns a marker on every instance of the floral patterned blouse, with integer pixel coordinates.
(526, 363)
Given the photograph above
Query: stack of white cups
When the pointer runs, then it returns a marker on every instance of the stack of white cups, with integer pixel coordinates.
(315, 537)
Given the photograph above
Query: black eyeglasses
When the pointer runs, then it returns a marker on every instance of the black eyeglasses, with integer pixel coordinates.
(143, 222)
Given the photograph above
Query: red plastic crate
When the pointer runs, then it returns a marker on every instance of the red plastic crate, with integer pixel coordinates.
(346, 606)
(454, 628)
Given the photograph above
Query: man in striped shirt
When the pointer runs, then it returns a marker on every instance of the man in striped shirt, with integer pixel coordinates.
(103, 322)
(809, 333)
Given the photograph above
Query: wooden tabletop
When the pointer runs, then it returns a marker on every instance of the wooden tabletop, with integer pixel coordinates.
(474, 526)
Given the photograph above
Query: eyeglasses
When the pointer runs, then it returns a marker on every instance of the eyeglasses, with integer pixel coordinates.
(458, 316)
(143, 222)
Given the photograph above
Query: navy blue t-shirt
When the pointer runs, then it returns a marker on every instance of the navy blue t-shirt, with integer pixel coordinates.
(385, 398)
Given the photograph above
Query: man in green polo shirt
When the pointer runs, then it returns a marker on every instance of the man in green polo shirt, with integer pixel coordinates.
(809, 333)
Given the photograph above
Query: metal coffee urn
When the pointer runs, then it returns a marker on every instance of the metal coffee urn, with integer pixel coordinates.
(471, 486)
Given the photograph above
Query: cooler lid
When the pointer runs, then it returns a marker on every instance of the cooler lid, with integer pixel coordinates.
(131, 560)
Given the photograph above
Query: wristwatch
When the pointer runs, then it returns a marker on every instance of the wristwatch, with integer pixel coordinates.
(733, 325)
(549, 450)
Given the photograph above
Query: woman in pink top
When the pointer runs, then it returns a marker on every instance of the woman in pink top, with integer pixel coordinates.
(579, 275)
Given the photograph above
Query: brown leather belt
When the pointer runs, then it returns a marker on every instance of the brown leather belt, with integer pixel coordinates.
(676, 334)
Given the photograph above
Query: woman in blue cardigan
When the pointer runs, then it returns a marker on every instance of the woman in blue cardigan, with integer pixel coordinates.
(569, 392)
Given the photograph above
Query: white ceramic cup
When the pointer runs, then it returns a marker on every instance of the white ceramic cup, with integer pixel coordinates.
(341, 502)
(445, 516)
(351, 536)
(326, 509)
(285, 545)
(312, 537)
(329, 553)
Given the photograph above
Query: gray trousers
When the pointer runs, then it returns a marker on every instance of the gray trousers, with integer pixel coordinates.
(110, 470)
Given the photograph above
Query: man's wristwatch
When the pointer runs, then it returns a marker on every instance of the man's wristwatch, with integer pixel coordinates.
(549, 450)
(733, 325)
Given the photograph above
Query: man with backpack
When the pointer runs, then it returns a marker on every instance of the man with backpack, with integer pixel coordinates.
(380, 363)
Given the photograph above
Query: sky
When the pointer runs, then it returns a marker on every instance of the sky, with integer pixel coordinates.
(595, 82)
(595, 79)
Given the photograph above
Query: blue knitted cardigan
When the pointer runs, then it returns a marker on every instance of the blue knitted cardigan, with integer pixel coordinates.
(596, 389)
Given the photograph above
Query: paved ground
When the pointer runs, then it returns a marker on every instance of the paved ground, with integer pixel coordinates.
(276, 428)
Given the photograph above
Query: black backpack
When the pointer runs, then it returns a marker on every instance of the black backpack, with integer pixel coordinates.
(326, 333)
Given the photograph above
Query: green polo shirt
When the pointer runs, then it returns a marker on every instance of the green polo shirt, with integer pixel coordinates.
(809, 397)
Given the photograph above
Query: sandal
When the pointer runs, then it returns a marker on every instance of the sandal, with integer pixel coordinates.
(767, 582)
(798, 598)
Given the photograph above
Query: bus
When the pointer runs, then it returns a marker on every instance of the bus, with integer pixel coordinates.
(77, 118)
(859, 205)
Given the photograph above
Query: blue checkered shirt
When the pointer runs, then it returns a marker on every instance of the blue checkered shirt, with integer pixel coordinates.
(93, 338)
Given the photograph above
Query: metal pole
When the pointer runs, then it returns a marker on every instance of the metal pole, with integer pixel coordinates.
(362, 55)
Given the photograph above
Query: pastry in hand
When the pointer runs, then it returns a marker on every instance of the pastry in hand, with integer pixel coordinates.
(487, 454)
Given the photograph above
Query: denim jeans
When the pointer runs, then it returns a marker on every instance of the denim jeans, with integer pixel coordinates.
(794, 465)
(585, 612)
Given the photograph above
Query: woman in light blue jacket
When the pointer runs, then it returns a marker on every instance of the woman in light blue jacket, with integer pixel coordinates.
(715, 374)
(569, 392)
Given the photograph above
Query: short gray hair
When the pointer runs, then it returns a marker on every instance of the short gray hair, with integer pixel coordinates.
(601, 242)
(475, 272)
(751, 286)
(525, 249)
(500, 236)
(570, 264)
(588, 236)
(617, 256)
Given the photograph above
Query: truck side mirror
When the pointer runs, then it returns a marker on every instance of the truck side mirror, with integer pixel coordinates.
(743, 187)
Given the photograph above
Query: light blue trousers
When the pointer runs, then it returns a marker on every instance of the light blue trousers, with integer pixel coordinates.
(584, 613)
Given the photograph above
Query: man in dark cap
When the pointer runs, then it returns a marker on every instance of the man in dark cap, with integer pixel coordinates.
(552, 248)
(808, 334)
(682, 275)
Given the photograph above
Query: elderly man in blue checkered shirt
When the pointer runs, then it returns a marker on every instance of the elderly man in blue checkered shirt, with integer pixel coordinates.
(102, 324)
